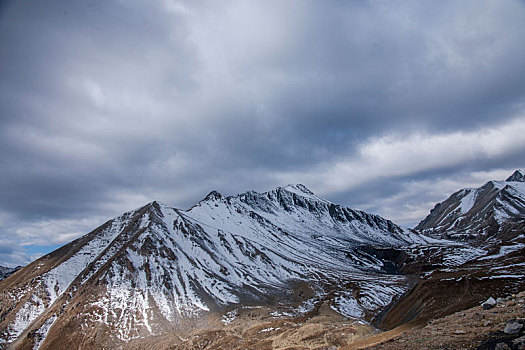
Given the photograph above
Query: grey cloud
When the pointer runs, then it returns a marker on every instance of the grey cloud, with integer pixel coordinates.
(106, 105)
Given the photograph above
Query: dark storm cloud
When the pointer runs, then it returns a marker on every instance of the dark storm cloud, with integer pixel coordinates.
(107, 105)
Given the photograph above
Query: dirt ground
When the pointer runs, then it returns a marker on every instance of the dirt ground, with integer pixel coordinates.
(324, 329)
(255, 329)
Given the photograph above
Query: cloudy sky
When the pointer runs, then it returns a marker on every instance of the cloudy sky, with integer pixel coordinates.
(382, 106)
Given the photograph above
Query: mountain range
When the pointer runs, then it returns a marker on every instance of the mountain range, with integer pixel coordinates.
(160, 275)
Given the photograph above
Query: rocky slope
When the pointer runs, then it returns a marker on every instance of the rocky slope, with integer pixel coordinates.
(478, 213)
(159, 270)
(442, 291)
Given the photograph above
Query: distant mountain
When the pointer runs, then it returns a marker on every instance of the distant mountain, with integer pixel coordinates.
(517, 176)
(491, 220)
(7, 271)
(479, 213)
(159, 270)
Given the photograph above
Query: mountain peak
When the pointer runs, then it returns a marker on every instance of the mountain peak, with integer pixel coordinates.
(213, 195)
(518, 175)
(303, 191)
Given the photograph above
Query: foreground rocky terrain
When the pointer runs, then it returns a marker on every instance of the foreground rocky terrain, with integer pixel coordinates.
(500, 327)
(283, 269)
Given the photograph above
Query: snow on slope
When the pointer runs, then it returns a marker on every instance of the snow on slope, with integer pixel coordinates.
(467, 202)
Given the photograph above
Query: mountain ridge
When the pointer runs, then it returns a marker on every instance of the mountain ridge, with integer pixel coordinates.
(173, 265)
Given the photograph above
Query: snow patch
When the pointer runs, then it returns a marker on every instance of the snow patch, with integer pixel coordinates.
(348, 306)
(467, 202)
(41, 334)
(269, 329)
(229, 317)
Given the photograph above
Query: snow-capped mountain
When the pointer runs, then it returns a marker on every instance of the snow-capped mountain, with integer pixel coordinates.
(158, 269)
(474, 213)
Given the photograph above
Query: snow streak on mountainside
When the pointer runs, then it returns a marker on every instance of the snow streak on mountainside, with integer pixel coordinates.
(156, 269)
(478, 212)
